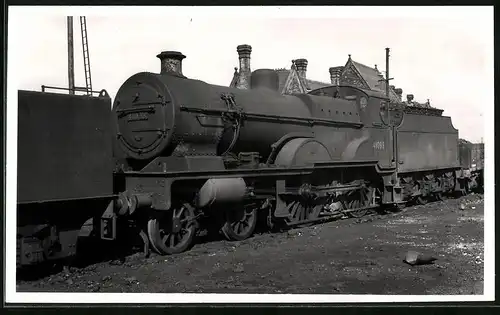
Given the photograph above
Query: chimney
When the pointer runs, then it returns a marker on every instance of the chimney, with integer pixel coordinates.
(244, 52)
(399, 93)
(301, 65)
(335, 73)
(171, 62)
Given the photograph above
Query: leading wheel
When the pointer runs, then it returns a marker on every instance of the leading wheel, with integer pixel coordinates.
(240, 223)
(172, 232)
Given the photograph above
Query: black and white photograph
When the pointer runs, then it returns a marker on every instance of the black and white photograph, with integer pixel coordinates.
(291, 154)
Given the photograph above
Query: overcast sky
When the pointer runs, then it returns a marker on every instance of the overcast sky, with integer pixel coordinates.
(441, 54)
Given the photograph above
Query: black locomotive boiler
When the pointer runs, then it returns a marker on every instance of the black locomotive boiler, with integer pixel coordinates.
(189, 155)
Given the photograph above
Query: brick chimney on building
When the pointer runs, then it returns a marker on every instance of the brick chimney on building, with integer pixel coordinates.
(399, 93)
(301, 65)
(409, 98)
(335, 73)
(244, 52)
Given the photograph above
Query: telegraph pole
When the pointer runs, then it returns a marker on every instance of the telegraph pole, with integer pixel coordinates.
(71, 60)
(392, 119)
(387, 50)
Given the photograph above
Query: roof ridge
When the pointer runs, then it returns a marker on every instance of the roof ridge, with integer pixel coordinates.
(363, 65)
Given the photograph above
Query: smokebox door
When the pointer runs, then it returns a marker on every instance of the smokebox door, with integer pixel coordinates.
(145, 118)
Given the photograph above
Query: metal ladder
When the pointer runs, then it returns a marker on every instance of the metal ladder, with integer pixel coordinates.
(86, 57)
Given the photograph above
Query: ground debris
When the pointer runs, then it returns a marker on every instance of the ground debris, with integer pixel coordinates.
(293, 232)
(239, 268)
(414, 258)
(131, 280)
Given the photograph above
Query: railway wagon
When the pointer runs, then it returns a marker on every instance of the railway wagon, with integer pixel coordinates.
(64, 166)
(471, 157)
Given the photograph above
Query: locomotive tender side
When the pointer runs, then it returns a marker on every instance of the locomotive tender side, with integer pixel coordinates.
(427, 146)
(64, 174)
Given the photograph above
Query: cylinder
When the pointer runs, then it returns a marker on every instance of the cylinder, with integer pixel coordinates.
(221, 190)
(264, 78)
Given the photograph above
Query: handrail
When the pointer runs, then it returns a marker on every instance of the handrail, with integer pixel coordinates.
(100, 93)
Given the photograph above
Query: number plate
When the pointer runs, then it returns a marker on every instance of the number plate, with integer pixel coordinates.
(137, 116)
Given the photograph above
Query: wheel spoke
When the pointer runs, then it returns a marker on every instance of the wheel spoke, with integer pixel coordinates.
(295, 208)
(308, 213)
(301, 211)
(181, 211)
(357, 206)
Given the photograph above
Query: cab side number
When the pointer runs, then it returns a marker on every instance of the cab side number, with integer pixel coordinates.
(379, 145)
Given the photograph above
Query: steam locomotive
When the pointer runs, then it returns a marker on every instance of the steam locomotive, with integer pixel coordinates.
(176, 155)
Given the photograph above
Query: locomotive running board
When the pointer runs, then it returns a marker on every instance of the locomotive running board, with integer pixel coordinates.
(259, 172)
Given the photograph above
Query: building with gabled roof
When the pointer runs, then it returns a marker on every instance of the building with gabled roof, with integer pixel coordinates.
(353, 73)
